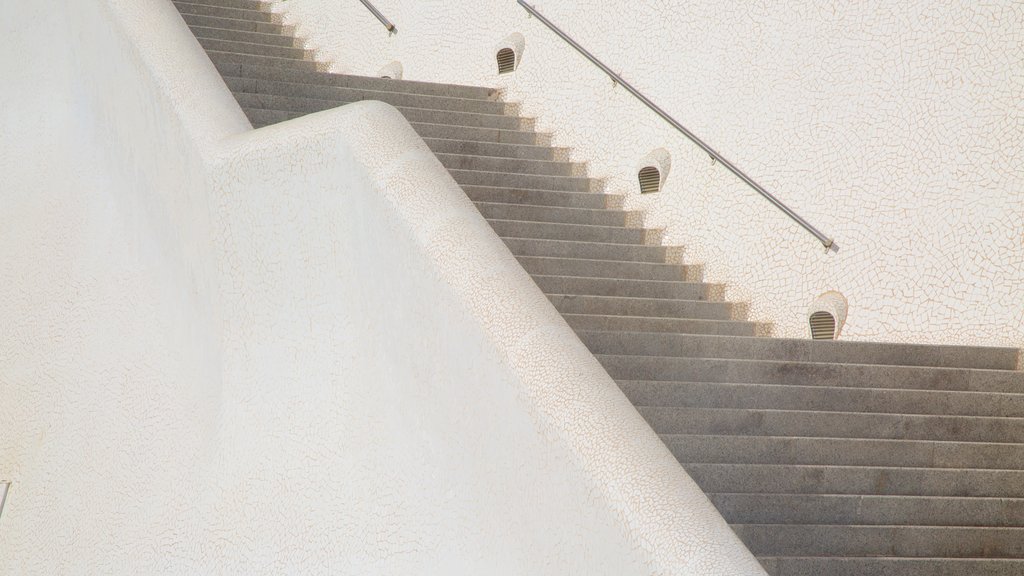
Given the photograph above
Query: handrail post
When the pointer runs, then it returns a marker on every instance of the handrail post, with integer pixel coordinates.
(826, 241)
(383, 19)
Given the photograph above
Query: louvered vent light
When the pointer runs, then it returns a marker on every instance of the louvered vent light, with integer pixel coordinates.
(650, 180)
(823, 326)
(506, 61)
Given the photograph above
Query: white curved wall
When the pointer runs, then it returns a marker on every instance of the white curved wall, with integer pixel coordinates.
(294, 350)
(893, 127)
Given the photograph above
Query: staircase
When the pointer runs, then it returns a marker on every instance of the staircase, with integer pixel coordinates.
(836, 458)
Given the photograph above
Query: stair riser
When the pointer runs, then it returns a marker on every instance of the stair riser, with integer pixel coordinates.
(255, 49)
(265, 62)
(905, 541)
(554, 231)
(245, 36)
(587, 250)
(890, 567)
(232, 24)
(868, 510)
(492, 149)
(609, 287)
(550, 214)
(585, 200)
(794, 350)
(512, 165)
(781, 397)
(636, 277)
(232, 13)
(844, 452)
(798, 374)
(581, 322)
(725, 421)
(528, 181)
(646, 307)
(238, 4)
(316, 95)
(782, 479)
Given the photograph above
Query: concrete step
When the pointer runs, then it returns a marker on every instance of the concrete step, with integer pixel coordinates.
(529, 181)
(806, 350)
(587, 322)
(806, 423)
(856, 566)
(655, 278)
(580, 232)
(506, 195)
(553, 214)
(868, 510)
(868, 540)
(498, 150)
(311, 97)
(633, 306)
(198, 20)
(819, 398)
(242, 88)
(512, 165)
(273, 74)
(583, 287)
(268, 50)
(707, 448)
(590, 250)
(670, 368)
(222, 12)
(240, 4)
(265, 61)
(881, 480)
(249, 36)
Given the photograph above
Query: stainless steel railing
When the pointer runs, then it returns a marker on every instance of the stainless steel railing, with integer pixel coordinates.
(383, 19)
(827, 242)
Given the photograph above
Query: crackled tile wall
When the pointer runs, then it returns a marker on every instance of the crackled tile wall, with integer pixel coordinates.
(895, 128)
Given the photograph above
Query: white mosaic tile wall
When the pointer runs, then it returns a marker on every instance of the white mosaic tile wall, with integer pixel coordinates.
(896, 128)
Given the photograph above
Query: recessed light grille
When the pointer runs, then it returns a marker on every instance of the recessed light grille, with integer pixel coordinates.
(650, 180)
(506, 61)
(823, 326)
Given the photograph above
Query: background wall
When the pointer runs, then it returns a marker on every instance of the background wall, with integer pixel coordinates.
(297, 350)
(893, 127)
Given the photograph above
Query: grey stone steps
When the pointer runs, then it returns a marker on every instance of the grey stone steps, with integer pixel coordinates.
(783, 450)
(498, 150)
(198, 20)
(882, 540)
(589, 322)
(553, 214)
(807, 350)
(580, 232)
(253, 37)
(268, 50)
(530, 181)
(580, 286)
(835, 479)
(857, 566)
(814, 424)
(589, 250)
(869, 510)
(554, 198)
(312, 97)
(511, 165)
(819, 398)
(413, 115)
(266, 61)
(653, 276)
(824, 399)
(240, 4)
(733, 370)
(222, 12)
(328, 79)
(651, 307)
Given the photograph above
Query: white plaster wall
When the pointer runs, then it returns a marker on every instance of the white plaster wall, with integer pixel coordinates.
(297, 350)
(894, 127)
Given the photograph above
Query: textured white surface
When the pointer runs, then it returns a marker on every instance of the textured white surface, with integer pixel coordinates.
(297, 350)
(894, 127)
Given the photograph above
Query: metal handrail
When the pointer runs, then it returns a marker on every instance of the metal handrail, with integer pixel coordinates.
(827, 242)
(383, 19)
